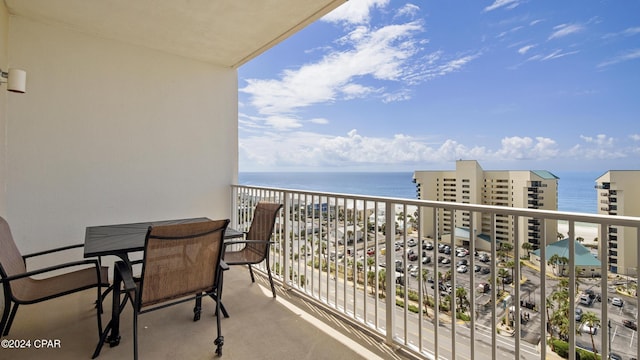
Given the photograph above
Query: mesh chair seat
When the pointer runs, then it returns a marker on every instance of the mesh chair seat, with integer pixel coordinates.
(181, 262)
(21, 288)
(258, 241)
(32, 290)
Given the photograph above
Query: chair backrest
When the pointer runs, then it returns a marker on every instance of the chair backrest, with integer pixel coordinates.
(181, 260)
(264, 219)
(11, 262)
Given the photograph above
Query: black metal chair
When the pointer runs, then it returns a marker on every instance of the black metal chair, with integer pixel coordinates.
(257, 241)
(21, 288)
(181, 262)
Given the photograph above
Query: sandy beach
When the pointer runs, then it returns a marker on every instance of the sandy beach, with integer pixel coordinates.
(585, 230)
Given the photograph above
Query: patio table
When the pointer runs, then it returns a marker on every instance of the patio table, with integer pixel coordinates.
(120, 240)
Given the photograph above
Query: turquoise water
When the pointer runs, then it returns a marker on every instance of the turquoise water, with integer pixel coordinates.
(576, 191)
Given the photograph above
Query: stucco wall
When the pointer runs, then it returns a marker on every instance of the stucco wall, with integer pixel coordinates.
(110, 133)
(4, 34)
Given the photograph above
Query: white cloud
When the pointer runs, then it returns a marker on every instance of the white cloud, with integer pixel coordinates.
(299, 149)
(523, 50)
(630, 55)
(283, 123)
(409, 10)
(635, 137)
(565, 29)
(354, 11)
(558, 54)
(380, 54)
(319, 121)
(600, 147)
(509, 4)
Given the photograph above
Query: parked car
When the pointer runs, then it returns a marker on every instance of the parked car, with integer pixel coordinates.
(462, 269)
(412, 257)
(462, 262)
(614, 356)
(412, 243)
(427, 245)
(413, 272)
(585, 328)
(426, 259)
(617, 302)
(586, 300)
(485, 270)
(446, 260)
(507, 280)
(484, 287)
(476, 268)
(578, 314)
(371, 251)
(630, 324)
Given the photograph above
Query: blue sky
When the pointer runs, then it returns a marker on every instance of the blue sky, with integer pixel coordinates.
(379, 85)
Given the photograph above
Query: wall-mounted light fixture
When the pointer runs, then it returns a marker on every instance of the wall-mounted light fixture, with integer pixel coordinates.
(16, 80)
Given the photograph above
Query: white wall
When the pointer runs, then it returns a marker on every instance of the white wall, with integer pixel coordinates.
(110, 133)
(4, 36)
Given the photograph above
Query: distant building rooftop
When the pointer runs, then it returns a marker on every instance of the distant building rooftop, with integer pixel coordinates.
(583, 256)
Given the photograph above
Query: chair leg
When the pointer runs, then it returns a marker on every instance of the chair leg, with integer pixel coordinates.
(273, 289)
(5, 314)
(7, 326)
(99, 311)
(220, 339)
(197, 310)
(251, 272)
(135, 334)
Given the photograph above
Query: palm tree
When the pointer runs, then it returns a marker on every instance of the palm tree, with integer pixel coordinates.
(371, 281)
(511, 265)
(560, 236)
(553, 261)
(425, 281)
(463, 301)
(502, 274)
(527, 246)
(549, 306)
(590, 319)
(382, 280)
(580, 239)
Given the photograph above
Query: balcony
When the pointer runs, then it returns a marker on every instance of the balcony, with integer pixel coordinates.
(321, 312)
(283, 328)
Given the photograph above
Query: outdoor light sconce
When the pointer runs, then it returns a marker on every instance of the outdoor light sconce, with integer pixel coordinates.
(16, 80)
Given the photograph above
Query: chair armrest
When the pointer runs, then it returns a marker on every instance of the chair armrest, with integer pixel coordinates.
(126, 275)
(233, 242)
(51, 268)
(223, 265)
(24, 257)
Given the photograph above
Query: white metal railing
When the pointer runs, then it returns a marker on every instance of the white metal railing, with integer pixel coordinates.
(329, 248)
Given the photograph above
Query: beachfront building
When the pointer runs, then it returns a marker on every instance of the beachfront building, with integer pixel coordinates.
(557, 256)
(470, 184)
(618, 194)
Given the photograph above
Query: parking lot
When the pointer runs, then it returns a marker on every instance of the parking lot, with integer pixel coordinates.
(622, 318)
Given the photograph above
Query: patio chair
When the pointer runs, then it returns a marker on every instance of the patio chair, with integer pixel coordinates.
(257, 241)
(21, 288)
(181, 262)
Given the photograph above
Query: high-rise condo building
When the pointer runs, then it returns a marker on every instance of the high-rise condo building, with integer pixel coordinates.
(470, 184)
(618, 194)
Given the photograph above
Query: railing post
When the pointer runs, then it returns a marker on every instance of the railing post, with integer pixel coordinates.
(390, 301)
(286, 282)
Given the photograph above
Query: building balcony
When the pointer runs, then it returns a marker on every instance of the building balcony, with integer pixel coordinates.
(258, 327)
(326, 310)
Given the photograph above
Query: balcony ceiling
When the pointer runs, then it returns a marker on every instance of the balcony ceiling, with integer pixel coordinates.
(223, 32)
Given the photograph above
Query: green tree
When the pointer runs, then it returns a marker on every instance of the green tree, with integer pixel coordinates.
(527, 246)
(590, 319)
(425, 286)
(502, 274)
(463, 301)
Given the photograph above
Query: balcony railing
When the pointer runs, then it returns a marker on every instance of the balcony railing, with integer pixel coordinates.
(369, 282)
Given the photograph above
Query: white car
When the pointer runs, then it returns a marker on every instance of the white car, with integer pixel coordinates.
(462, 269)
(617, 302)
(586, 329)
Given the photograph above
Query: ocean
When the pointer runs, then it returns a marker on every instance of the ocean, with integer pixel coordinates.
(576, 191)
